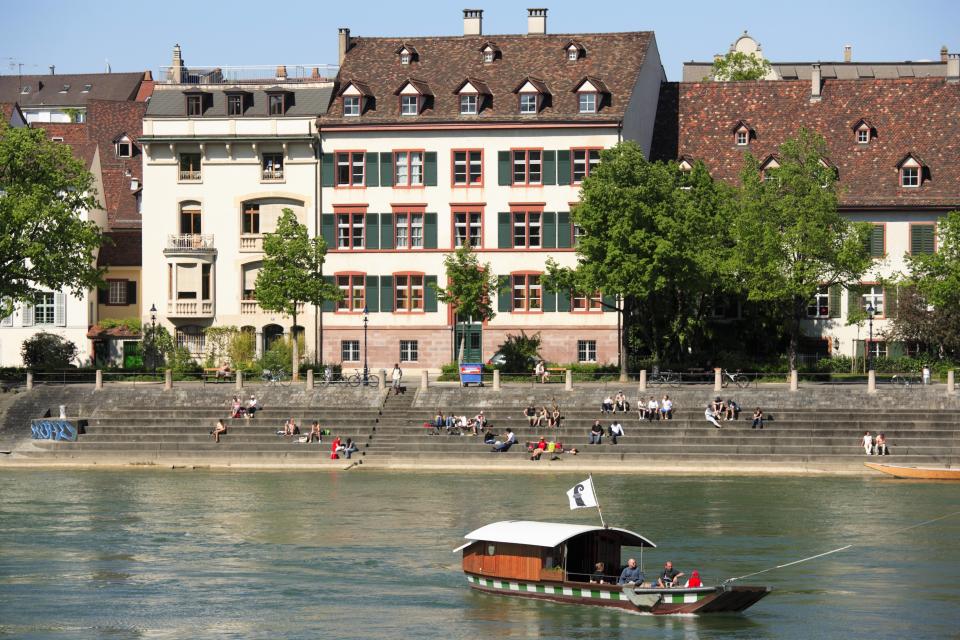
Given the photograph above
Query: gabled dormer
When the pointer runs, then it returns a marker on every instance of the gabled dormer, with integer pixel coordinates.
(238, 101)
(532, 96)
(769, 163)
(912, 171)
(123, 146)
(489, 52)
(685, 163)
(574, 51)
(414, 96)
(472, 95)
(863, 131)
(743, 133)
(406, 54)
(592, 94)
(355, 98)
(196, 102)
(279, 100)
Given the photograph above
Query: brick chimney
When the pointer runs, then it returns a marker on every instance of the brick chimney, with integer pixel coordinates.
(847, 53)
(953, 67)
(943, 53)
(344, 44)
(281, 72)
(473, 22)
(536, 21)
(815, 82)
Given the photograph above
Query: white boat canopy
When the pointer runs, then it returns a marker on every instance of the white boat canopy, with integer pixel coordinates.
(544, 534)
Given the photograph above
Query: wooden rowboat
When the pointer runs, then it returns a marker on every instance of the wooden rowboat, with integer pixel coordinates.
(553, 561)
(916, 473)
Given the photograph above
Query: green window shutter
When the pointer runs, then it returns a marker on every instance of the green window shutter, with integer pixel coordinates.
(386, 231)
(564, 230)
(328, 305)
(373, 170)
(430, 231)
(834, 301)
(854, 299)
(890, 301)
(430, 294)
(504, 300)
(103, 296)
(372, 294)
(563, 300)
(373, 231)
(609, 303)
(858, 348)
(131, 292)
(430, 168)
(549, 167)
(876, 241)
(895, 350)
(549, 301)
(386, 293)
(921, 238)
(563, 166)
(328, 230)
(504, 175)
(386, 169)
(326, 170)
(549, 221)
(504, 231)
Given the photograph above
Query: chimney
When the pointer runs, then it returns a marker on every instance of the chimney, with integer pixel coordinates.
(344, 44)
(815, 82)
(943, 53)
(315, 73)
(281, 72)
(473, 22)
(148, 76)
(847, 53)
(53, 69)
(953, 67)
(536, 21)
(176, 68)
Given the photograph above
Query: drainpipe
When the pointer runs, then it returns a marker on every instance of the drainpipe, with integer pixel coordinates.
(317, 312)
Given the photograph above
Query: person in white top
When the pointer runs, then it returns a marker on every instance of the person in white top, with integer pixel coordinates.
(607, 405)
(616, 431)
(711, 417)
(653, 409)
(867, 443)
(396, 376)
(666, 408)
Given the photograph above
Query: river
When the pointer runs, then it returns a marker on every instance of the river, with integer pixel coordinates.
(207, 554)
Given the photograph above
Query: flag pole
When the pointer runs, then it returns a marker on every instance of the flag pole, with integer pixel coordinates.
(594, 489)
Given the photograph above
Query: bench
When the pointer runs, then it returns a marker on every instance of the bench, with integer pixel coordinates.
(555, 373)
(215, 375)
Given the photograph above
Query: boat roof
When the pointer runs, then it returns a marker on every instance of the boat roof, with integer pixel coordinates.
(544, 534)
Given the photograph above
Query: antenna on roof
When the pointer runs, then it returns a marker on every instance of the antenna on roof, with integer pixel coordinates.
(108, 65)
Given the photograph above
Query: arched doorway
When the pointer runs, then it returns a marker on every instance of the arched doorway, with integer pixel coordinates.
(271, 333)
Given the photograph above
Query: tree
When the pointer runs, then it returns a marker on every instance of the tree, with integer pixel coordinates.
(469, 284)
(656, 237)
(158, 345)
(47, 351)
(737, 65)
(292, 273)
(45, 244)
(935, 330)
(790, 238)
(520, 352)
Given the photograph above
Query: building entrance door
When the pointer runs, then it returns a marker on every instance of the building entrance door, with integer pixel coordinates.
(470, 336)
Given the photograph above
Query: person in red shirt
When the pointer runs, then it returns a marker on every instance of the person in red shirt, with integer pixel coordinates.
(538, 448)
(694, 580)
(334, 446)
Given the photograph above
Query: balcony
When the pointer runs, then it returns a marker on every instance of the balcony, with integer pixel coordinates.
(190, 176)
(190, 244)
(272, 173)
(190, 309)
(251, 242)
(250, 308)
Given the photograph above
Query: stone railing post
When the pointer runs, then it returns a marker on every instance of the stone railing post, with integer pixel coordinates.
(717, 379)
(871, 381)
(167, 380)
(99, 384)
(383, 380)
(238, 379)
(496, 379)
(568, 380)
(950, 387)
(424, 379)
(642, 386)
(309, 379)
(794, 380)
(30, 380)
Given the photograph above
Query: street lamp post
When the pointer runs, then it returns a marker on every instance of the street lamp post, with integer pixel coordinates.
(870, 312)
(153, 337)
(366, 369)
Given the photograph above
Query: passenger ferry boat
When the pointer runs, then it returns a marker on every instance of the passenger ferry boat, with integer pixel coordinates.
(554, 561)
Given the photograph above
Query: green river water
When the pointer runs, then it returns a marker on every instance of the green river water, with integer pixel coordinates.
(205, 554)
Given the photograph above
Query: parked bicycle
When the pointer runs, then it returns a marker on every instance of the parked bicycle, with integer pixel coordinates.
(906, 379)
(356, 379)
(664, 378)
(742, 380)
(275, 377)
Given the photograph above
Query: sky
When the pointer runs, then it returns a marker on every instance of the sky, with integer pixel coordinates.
(133, 35)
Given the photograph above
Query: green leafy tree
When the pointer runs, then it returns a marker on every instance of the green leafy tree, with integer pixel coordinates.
(292, 273)
(48, 351)
(157, 345)
(737, 65)
(242, 349)
(469, 284)
(790, 238)
(44, 243)
(520, 352)
(217, 341)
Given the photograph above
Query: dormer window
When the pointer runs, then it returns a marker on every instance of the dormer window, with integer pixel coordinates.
(911, 170)
(685, 164)
(590, 92)
(351, 105)
(413, 95)
(742, 133)
(86, 88)
(277, 104)
(25, 89)
(574, 51)
(489, 52)
(743, 137)
(468, 104)
(404, 58)
(353, 95)
(863, 131)
(572, 54)
(65, 88)
(471, 93)
(588, 102)
(528, 103)
(407, 54)
(195, 105)
(531, 95)
(488, 56)
(863, 135)
(409, 105)
(124, 147)
(279, 100)
(235, 104)
(767, 166)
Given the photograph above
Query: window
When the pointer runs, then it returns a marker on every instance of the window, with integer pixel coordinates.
(863, 135)
(409, 105)
(527, 292)
(467, 167)
(65, 88)
(192, 339)
(487, 56)
(584, 160)
(124, 147)
(877, 349)
(351, 105)
(526, 229)
(404, 58)
(350, 350)
(44, 308)
(350, 169)
(190, 222)
(467, 228)
(586, 350)
(409, 351)
(583, 303)
(409, 293)
(527, 167)
(409, 230)
(876, 242)
(572, 54)
(528, 103)
(277, 104)
(251, 219)
(873, 295)
(206, 280)
(819, 307)
(352, 288)
(272, 165)
(588, 102)
(117, 292)
(235, 105)
(350, 230)
(578, 233)
(194, 105)
(743, 137)
(189, 166)
(86, 88)
(408, 169)
(468, 104)
(910, 177)
(922, 238)
(25, 89)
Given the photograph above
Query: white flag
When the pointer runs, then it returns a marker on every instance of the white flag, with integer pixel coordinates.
(582, 495)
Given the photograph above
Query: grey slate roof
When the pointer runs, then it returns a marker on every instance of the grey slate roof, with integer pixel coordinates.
(170, 101)
(47, 90)
(697, 71)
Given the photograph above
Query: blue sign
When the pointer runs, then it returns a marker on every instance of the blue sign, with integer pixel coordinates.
(53, 430)
(471, 373)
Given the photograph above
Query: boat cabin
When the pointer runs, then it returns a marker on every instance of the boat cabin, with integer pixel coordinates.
(547, 551)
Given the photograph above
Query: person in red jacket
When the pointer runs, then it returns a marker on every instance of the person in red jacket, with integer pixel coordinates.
(334, 446)
(694, 580)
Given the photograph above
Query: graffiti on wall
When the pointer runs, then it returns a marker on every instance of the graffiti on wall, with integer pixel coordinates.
(53, 430)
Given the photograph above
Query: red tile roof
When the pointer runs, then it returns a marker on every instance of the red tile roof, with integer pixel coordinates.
(919, 116)
(122, 249)
(442, 63)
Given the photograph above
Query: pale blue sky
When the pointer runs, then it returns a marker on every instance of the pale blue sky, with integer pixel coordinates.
(79, 36)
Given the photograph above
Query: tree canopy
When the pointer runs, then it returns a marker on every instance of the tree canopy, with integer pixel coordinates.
(469, 284)
(44, 242)
(737, 65)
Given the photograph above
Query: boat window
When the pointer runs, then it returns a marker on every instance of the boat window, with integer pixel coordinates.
(491, 549)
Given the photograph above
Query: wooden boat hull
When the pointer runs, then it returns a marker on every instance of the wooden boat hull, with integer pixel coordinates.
(916, 473)
(653, 601)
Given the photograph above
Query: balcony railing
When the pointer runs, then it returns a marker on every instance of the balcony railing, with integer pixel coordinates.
(251, 242)
(256, 74)
(190, 308)
(189, 176)
(274, 173)
(190, 242)
(250, 307)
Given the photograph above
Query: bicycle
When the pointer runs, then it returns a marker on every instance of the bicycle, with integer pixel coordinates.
(742, 380)
(907, 379)
(356, 379)
(275, 377)
(667, 378)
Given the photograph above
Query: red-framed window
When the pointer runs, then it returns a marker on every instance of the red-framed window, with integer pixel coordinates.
(350, 230)
(527, 228)
(408, 292)
(350, 169)
(467, 226)
(582, 163)
(408, 168)
(467, 167)
(351, 285)
(582, 303)
(408, 228)
(527, 166)
(527, 292)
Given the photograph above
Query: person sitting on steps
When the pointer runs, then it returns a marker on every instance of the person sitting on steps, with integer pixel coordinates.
(882, 449)
(509, 441)
(620, 402)
(217, 430)
(653, 409)
(757, 418)
(531, 413)
(349, 448)
(252, 406)
(666, 408)
(596, 433)
(607, 405)
(732, 411)
(616, 431)
(314, 433)
(711, 416)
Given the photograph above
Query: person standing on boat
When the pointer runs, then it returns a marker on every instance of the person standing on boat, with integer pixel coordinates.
(669, 576)
(631, 574)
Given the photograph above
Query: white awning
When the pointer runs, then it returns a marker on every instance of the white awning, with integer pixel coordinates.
(545, 534)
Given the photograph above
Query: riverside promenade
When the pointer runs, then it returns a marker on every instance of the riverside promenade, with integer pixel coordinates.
(812, 430)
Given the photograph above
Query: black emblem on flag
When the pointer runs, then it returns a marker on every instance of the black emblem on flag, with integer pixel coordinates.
(578, 495)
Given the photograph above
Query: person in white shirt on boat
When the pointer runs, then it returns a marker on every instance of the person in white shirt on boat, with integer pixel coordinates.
(867, 443)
